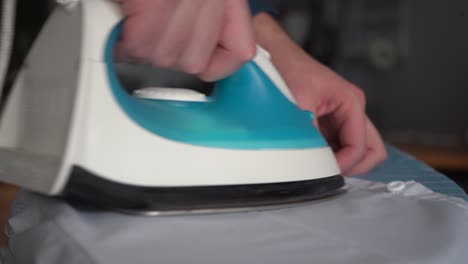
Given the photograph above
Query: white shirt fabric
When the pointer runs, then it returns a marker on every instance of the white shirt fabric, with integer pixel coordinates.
(400, 222)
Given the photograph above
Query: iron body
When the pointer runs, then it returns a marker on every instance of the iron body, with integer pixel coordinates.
(71, 130)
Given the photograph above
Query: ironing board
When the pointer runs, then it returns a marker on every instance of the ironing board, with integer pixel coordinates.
(403, 167)
(368, 224)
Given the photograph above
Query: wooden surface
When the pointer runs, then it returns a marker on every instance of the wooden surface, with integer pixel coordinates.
(440, 158)
(7, 194)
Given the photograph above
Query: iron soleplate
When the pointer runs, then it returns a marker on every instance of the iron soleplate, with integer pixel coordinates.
(90, 191)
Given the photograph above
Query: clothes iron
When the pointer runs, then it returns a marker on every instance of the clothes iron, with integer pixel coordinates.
(71, 130)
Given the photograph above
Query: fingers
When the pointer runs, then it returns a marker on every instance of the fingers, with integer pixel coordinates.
(209, 38)
(223, 63)
(358, 146)
(351, 127)
(361, 96)
(237, 43)
(204, 39)
(142, 28)
(375, 152)
(343, 121)
(177, 36)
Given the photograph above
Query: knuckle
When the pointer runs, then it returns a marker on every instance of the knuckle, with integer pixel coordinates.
(139, 53)
(248, 53)
(193, 68)
(130, 36)
(379, 157)
(360, 94)
(383, 156)
(362, 154)
(207, 77)
(164, 61)
(134, 49)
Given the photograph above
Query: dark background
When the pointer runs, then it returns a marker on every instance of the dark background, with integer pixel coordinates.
(409, 56)
(411, 59)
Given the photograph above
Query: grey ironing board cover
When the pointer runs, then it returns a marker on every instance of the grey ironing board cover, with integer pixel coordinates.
(373, 222)
(403, 167)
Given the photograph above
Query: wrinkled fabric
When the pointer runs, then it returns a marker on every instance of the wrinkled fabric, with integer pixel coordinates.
(370, 223)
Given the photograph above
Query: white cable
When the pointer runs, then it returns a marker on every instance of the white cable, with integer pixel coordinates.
(7, 28)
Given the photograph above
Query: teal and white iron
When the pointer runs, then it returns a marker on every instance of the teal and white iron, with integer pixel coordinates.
(69, 129)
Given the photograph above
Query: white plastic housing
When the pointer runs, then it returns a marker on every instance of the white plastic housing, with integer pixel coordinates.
(102, 139)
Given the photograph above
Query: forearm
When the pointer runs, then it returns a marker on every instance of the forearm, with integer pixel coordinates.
(287, 56)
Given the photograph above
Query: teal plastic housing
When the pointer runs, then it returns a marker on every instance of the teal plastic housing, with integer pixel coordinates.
(245, 111)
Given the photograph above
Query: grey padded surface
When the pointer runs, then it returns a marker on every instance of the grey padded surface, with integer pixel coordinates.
(403, 167)
(368, 224)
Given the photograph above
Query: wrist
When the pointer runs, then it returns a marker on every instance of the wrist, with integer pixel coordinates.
(286, 55)
(268, 32)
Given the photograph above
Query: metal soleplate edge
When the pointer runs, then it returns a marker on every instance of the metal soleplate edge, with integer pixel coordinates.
(246, 209)
(91, 192)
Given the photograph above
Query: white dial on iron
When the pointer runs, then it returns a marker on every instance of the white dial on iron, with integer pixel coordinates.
(172, 94)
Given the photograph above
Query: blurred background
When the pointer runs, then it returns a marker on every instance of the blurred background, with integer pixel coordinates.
(409, 56)
(411, 59)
